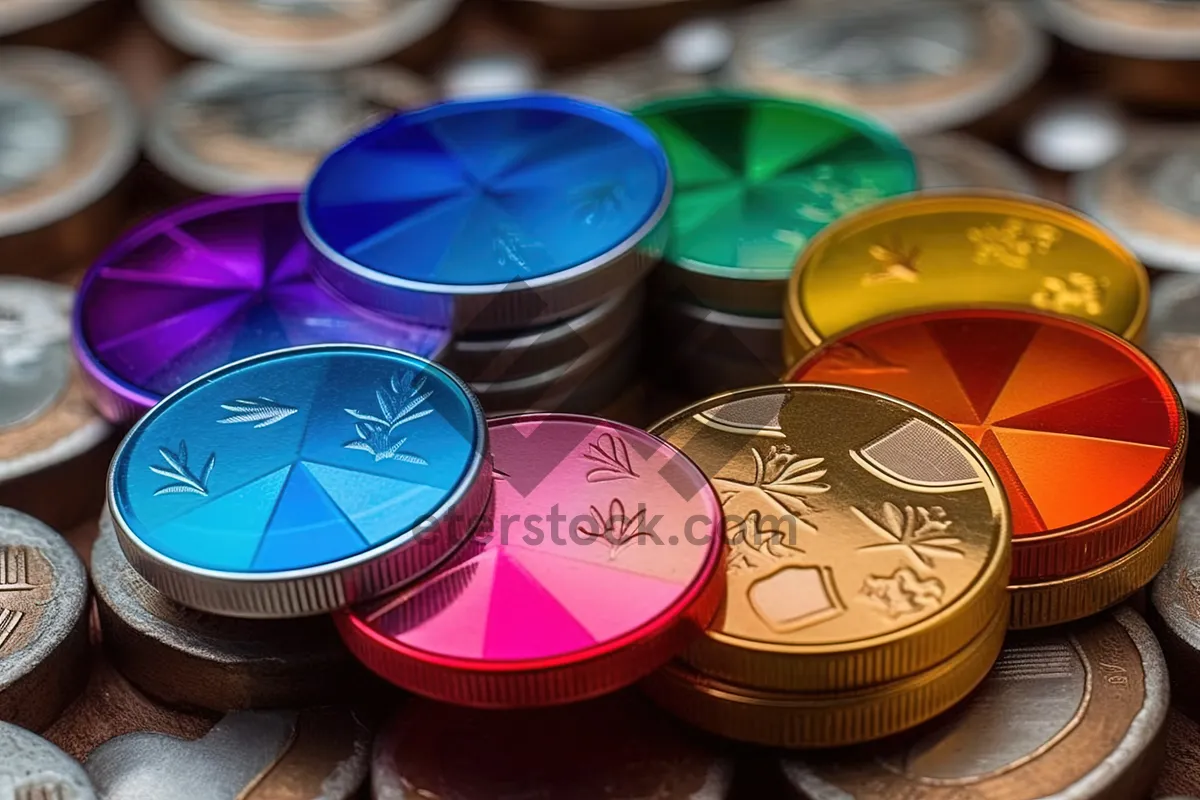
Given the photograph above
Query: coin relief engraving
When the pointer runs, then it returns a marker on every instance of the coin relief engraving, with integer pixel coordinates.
(1077, 293)
(918, 532)
(612, 455)
(903, 592)
(616, 528)
(262, 411)
(836, 191)
(185, 481)
(396, 408)
(1012, 243)
(898, 263)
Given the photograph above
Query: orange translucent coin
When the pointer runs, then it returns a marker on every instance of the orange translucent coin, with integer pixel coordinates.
(1086, 432)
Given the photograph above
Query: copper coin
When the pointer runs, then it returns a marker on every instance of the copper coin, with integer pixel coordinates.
(194, 659)
(43, 629)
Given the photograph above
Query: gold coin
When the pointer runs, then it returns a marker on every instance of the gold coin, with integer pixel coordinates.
(837, 719)
(951, 249)
(1054, 602)
(869, 540)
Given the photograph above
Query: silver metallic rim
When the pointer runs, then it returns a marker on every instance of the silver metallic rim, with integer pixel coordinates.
(326, 587)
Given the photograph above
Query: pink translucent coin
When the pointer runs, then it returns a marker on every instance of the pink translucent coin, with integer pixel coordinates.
(602, 558)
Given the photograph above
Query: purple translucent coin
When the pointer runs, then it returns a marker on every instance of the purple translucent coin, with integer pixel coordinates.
(208, 283)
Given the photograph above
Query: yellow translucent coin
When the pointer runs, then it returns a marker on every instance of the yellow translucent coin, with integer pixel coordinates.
(952, 249)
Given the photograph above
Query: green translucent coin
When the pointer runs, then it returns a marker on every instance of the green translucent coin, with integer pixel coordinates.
(756, 177)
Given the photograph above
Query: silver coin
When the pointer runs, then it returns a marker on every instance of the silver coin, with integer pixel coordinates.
(614, 748)
(1173, 334)
(222, 129)
(510, 357)
(1149, 195)
(43, 626)
(1175, 599)
(1160, 30)
(959, 161)
(190, 658)
(300, 34)
(921, 67)
(69, 138)
(1076, 713)
(33, 769)
(316, 753)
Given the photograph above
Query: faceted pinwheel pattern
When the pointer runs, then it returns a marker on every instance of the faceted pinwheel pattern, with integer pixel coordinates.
(488, 192)
(593, 551)
(296, 460)
(213, 282)
(1075, 421)
(755, 178)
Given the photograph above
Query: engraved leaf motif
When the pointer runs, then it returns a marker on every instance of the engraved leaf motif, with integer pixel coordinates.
(899, 263)
(755, 543)
(261, 410)
(918, 531)
(398, 402)
(185, 481)
(781, 477)
(618, 529)
(612, 454)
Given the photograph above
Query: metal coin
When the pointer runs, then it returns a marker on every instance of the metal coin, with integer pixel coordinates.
(959, 161)
(1175, 600)
(189, 658)
(318, 476)
(31, 769)
(1074, 714)
(68, 140)
(19, 16)
(1161, 30)
(222, 129)
(296, 34)
(921, 66)
(43, 627)
(1173, 334)
(490, 215)
(250, 755)
(429, 750)
(1149, 195)
(1181, 772)
(50, 437)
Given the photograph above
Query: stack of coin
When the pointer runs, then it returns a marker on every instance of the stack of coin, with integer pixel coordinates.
(1146, 53)
(921, 66)
(511, 221)
(293, 35)
(755, 179)
(1086, 432)
(869, 548)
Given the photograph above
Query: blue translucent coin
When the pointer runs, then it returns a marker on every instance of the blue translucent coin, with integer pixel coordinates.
(300, 480)
(513, 211)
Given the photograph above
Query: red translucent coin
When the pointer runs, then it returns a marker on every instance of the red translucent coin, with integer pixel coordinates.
(1086, 432)
(602, 558)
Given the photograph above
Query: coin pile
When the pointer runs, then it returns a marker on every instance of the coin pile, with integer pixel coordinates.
(367, 419)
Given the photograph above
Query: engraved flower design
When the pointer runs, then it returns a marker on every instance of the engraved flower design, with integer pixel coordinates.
(612, 455)
(899, 263)
(398, 404)
(596, 204)
(834, 193)
(903, 592)
(177, 470)
(1078, 292)
(618, 529)
(783, 477)
(918, 531)
(755, 542)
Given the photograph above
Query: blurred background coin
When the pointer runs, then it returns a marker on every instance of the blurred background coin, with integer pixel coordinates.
(1173, 335)
(302, 34)
(432, 750)
(1175, 607)
(43, 623)
(1074, 134)
(489, 74)
(223, 130)
(1149, 196)
(961, 161)
(192, 659)
(54, 447)
(1078, 713)
(55, 23)
(249, 755)
(920, 66)
(69, 141)
(31, 767)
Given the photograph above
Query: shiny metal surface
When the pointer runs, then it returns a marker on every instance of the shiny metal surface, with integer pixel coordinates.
(1173, 334)
(31, 769)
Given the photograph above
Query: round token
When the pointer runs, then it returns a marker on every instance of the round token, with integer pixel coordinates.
(1175, 600)
(869, 540)
(959, 161)
(43, 623)
(71, 139)
(1173, 334)
(1160, 30)
(954, 249)
(603, 559)
(432, 750)
(20, 16)
(878, 57)
(296, 34)
(207, 283)
(1086, 432)
(50, 436)
(31, 767)
(196, 660)
(317, 476)
(224, 130)
(1150, 196)
(755, 178)
(1074, 714)
(509, 212)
